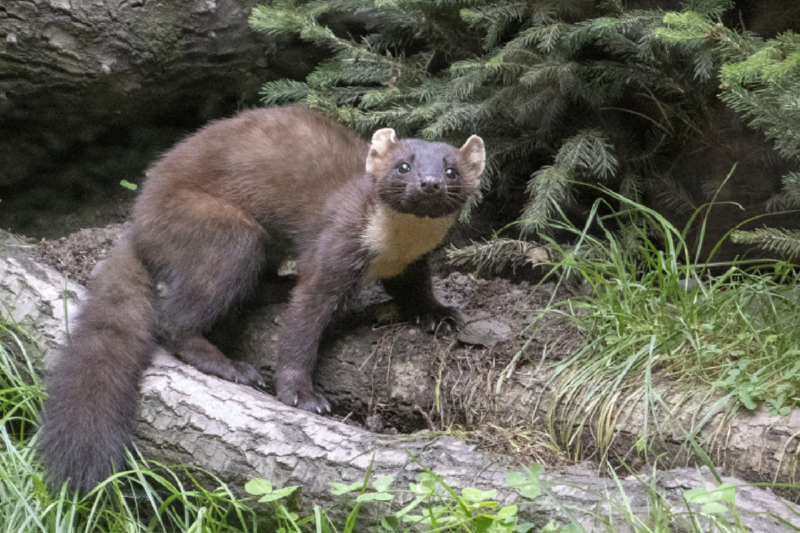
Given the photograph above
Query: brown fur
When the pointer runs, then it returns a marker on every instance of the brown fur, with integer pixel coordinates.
(216, 212)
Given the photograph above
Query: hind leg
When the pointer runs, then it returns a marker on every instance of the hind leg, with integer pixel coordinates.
(207, 358)
(201, 272)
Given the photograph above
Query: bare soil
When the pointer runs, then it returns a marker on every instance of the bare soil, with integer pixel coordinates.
(76, 255)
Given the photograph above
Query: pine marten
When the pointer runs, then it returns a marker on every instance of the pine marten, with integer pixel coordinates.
(214, 213)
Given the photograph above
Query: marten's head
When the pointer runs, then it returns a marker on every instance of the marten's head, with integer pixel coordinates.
(421, 178)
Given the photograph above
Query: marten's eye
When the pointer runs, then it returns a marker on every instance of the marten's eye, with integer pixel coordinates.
(451, 173)
(403, 168)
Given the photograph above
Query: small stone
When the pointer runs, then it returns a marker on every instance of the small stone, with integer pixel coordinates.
(484, 333)
(374, 423)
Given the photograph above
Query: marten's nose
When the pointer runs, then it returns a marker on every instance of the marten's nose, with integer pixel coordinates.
(430, 184)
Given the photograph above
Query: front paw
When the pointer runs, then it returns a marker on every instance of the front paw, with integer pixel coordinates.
(303, 396)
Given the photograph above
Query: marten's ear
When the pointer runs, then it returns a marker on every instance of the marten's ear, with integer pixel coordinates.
(380, 150)
(473, 159)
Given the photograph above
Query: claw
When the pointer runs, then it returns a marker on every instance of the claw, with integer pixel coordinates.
(306, 398)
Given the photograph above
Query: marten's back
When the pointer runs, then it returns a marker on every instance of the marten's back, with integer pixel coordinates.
(281, 166)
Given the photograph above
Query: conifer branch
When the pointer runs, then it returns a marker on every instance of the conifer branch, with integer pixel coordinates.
(559, 97)
(785, 242)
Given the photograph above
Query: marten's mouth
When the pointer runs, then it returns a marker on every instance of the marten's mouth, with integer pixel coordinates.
(411, 198)
(428, 205)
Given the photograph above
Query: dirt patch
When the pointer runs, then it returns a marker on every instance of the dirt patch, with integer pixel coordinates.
(76, 255)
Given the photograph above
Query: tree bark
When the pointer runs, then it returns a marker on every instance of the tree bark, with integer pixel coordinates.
(114, 60)
(237, 433)
(92, 91)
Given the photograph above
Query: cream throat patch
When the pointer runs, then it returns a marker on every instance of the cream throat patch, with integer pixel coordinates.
(396, 239)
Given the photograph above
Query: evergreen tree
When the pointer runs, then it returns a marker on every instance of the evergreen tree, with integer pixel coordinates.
(761, 81)
(563, 92)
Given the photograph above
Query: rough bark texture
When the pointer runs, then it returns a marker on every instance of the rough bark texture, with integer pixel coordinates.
(238, 433)
(35, 297)
(83, 67)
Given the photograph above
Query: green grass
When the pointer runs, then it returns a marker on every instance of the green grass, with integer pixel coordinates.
(437, 507)
(654, 308)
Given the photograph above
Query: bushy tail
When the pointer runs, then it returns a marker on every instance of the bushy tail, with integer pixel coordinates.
(93, 388)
